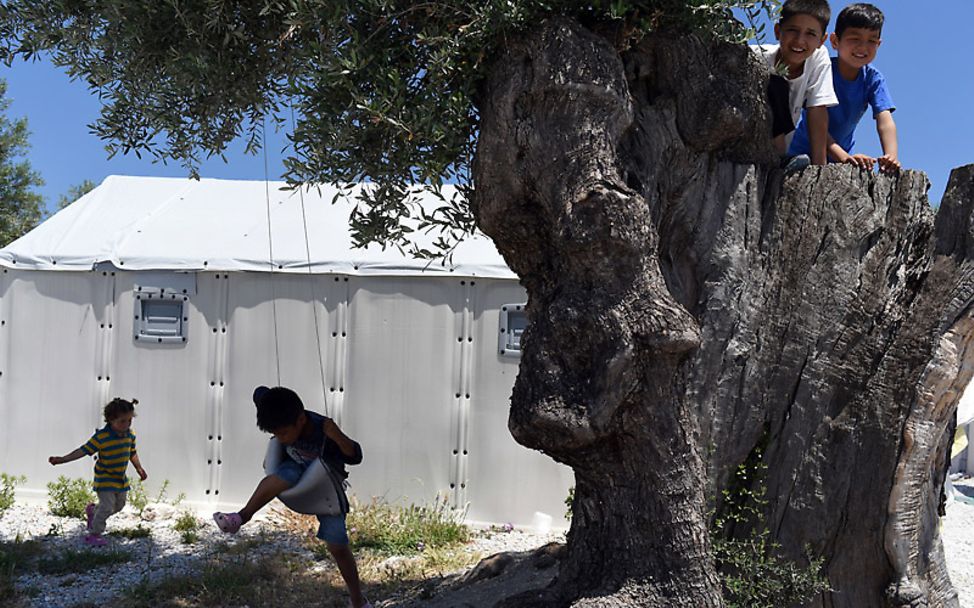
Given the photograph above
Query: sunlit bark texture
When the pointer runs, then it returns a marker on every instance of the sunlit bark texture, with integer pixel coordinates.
(691, 307)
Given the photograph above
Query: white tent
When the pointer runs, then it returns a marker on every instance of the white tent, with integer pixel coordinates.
(186, 294)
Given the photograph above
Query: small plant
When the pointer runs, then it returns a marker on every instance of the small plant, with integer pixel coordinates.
(188, 527)
(138, 531)
(68, 497)
(753, 573)
(139, 496)
(8, 483)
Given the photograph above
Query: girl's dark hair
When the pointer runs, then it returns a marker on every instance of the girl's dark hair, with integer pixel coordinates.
(277, 407)
(818, 9)
(863, 15)
(117, 407)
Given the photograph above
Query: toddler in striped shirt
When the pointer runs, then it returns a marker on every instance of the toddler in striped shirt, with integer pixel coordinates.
(115, 447)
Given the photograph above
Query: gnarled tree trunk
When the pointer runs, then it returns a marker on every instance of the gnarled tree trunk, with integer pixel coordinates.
(689, 305)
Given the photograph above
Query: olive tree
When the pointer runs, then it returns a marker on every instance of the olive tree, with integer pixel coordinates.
(690, 309)
(20, 203)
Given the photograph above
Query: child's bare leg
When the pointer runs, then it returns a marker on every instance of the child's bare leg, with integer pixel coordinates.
(346, 565)
(267, 490)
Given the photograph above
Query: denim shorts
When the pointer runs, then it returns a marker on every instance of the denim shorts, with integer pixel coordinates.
(331, 528)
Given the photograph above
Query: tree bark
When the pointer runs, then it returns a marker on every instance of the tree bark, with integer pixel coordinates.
(689, 305)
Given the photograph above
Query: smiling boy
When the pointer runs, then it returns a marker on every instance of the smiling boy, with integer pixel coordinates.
(801, 67)
(858, 85)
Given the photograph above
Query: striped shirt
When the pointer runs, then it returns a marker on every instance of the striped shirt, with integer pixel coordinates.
(114, 452)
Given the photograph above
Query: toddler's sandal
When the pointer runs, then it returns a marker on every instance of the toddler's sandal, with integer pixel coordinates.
(228, 522)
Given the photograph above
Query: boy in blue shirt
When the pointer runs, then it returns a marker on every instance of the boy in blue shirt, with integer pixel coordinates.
(858, 85)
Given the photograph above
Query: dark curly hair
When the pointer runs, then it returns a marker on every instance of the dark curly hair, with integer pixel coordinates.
(119, 407)
(276, 407)
(819, 9)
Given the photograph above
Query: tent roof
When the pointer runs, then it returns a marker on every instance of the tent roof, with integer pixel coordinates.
(158, 223)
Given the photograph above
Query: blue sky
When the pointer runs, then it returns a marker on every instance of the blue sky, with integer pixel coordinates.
(921, 57)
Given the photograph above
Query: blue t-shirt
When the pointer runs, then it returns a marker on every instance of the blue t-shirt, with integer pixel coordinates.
(855, 96)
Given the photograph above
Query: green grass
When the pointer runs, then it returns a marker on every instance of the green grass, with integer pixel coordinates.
(241, 547)
(395, 529)
(72, 561)
(15, 559)
(270, 581)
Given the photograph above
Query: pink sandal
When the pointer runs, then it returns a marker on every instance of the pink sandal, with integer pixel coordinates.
(95, 540)
(228, 522)
(89, 514)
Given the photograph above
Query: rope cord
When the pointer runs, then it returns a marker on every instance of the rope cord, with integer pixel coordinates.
(270, 249)
(311, 284)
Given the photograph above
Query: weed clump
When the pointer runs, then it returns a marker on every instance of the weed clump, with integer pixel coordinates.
(68, 497)
(8, 483)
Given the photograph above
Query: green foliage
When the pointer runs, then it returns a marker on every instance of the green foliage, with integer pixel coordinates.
(68, 497)
(755, 15)
(405, 530)
(75, 192)
(754, 577)
(20, 204)
(383, 91)
(753, 573)
(8, 484)
(188, 527)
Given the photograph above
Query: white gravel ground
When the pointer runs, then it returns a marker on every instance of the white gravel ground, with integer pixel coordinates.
(163, 554)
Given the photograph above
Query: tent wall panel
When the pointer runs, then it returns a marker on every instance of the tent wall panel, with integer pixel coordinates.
(271, 314)
(51, 330)
(6, 405)
(409, 366)
(504, 477)
(174, 423)
(399, 398)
